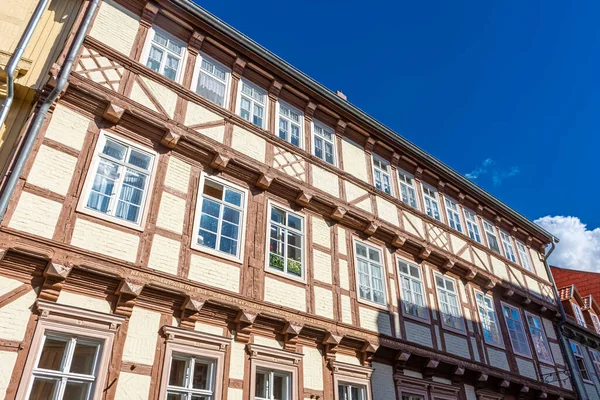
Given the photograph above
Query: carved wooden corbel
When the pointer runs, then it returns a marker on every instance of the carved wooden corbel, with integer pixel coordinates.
(425, 252)
(171, 138)
(340, 128)
(220, 161)
(471, 274)
(244, 321)
(490, 284)
(309, 110)
(55, 275)
(508, 293)
(503, 386)
(338, 213)
(148, 14)
(128, 292)
(331, 342)
(543, 395)
(441, 186)
(238, 68)
(449, 264)
(429, 367)
(195, 42)
(526, 301)
(401, 360)
(264, 181)
(457, 374)
(395, 160)
(368, 352)
(543, 309)
(275, 89)
(371, 228)
(399, 240)
(113, 112)
(290, 332)
(481, 380)
(190, 310)
(419, 172)
(369, 144)
(304, 198)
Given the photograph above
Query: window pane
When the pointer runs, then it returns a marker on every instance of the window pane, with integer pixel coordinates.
(262, 384)
(176, 396)
(201, 371)
(231, 215)
(277, 215)
(294, 222)
(43, 389)
(279, 387)
(76, 390)
(211, 89)
(178, 371)
(140, 159)
(209, 223)
(207, 239)
(114, 150)
(211, 208)
(83, 358)
(53, 353)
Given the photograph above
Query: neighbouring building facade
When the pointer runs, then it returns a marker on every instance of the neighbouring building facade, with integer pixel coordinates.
(200, 220)
(581, 329)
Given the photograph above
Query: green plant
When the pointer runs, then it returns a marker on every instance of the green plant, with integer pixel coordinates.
(295, 267)
(276, 261)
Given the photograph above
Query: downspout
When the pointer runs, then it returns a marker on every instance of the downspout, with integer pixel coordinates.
(579, 389)
(11, 66)
(38, 119)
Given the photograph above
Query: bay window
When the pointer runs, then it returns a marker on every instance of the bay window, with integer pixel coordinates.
(408, 193)
(516, 331)
(369, 266)
(381, 174)
(413, 297)
(449, 303)
(538, 337)
(118, 184)
(286, 242)
(323, 142)
(489, 321)
(252, 103)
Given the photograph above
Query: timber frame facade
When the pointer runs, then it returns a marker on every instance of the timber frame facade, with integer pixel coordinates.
(145, 290)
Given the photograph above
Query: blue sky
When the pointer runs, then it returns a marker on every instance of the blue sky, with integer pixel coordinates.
(514, 82)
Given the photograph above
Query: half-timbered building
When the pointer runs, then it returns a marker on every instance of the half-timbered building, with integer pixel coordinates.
(200, 220)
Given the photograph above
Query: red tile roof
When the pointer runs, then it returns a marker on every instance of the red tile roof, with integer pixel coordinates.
(586, 282)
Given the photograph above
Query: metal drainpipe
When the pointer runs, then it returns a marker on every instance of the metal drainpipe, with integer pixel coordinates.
(11, 66)
(563, 317)
(38, 119)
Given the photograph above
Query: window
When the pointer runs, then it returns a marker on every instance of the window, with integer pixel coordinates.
(347, 391)
(408, 396)
(448, 302)
(66, 367)
(538, 337)
(118, 186)
(453, 215)
(516, 330)
(165, 55)
(286, 244)
(69, 353)
(272, 385)
(489, 321)
(595, 356)
(595, 321)
(370, 273)
(290, 124)
(413, 298)
(472, 225)
(252, 104)
(578, 353)
(191, 378)
(408, 193)
(524, 256)
(509, 251)
(578, 314)
(220, 217)
(212, 80)
(430, 197)
(381, 174)
(490, 234)
(324, 142)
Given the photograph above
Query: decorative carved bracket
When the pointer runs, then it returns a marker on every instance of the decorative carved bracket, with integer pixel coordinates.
(190, 310)
(368, 352)
(195, 42)
(526, 301)
(264, 181)
(55, 275)
(338, 213)
(331, 342)
(304, 198)
(340, 127)
(508, 293)
(399, 240)
(128, 292)
(449, 264)
(290, 332)
(171, 138)
(309, 110)
(244, 321)
(113, 112)
(371, 228)
(369, 144)
(238, 68)
(490, 284)
(275, 89)
(395, 161)
(429, 367)
(425, 252)
(401, 360)
(220, 161)
(471, 274)
(148, 14)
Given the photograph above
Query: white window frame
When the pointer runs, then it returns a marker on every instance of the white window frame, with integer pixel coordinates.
(433, 200)
(290, 122)
(577, 351)
(595, 321)
(198, 213)
(412, 280)
(472, 225)
(407, 181)
(348, 390)
(532, 330)
(595, 358)
(524, 257)
(332, 141)
(453, 214)
(270, 359)
(579, 315)
(91, 173)
(272, 373)
(148, 45)
(494, 234)
(383, 173)
(484, 319)
(188, 390)
(507, 245)
(351, 375)
(195, 78)
(518, 323)
(252, 103)
(62, 320)
(448, 293)
(381, 264)
(268, 267)
(189, 343)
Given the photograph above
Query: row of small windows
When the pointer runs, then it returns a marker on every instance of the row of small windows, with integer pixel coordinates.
(212, 82)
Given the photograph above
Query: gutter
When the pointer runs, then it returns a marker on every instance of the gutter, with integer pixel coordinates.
(11, 66)
(36, 124)
(304, 79)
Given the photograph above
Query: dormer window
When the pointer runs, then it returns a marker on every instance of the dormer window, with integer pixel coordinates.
(578, 314)
(596, 322)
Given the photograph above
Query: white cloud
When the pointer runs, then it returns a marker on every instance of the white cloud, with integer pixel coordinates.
(579, 247)
(489, 167)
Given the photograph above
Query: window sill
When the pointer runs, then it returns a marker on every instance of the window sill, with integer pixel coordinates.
(550, 363)
(217, 253)
(282, 274)
(109, 218)
(373, 304)
(495, 345)
(415, 318)
(462, 332)
(527, 356)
